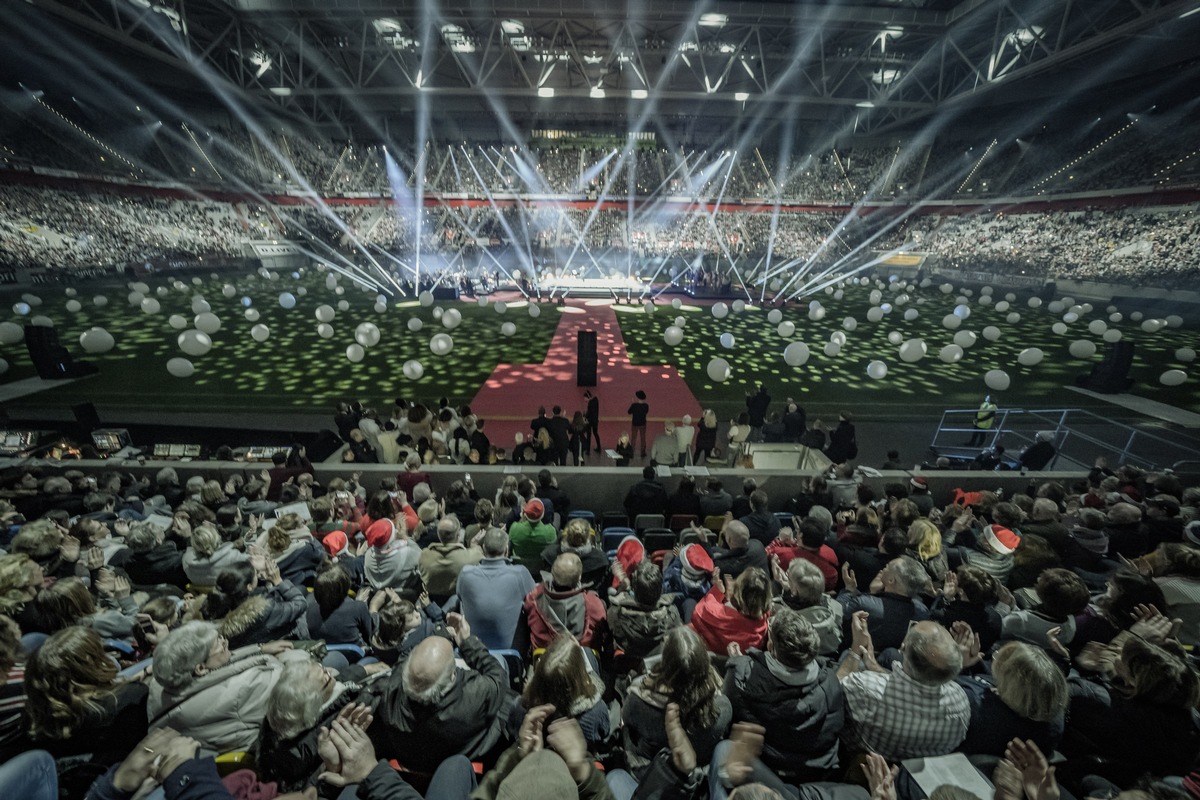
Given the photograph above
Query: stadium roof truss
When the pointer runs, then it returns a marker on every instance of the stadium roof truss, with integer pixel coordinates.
(887, 63)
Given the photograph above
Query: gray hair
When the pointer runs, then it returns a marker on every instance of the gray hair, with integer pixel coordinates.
(449, 529)
(412, 461)
(421, 492)
(495, 543)
(736, 530)
(181, 651)
(793, 640)
(805, 581)
(909, 574)
(167, 476)
(821, 515)
(931, 657)
(294, 705)
(143, 536)
(205, 540)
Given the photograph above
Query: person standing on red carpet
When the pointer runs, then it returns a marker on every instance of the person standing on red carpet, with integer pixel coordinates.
(639, 411)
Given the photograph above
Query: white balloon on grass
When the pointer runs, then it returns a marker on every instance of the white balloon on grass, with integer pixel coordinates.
(452, 318)
(946, 288)
(482, 301)
(874, 297)
(228, 290)
(874, 314)
(42, 321)
(325, 313)
(343, 305)
(74, 306)
(69, 292)
(786, 329)
(21, 308)
(1116, 316)
(252, 315)
(508, 329)
(1059, 327)
(913, 351)
(180, 367)
(1097, 327)
(1055, 307)
(441, 344)
(1013, 318)
(260, 333)
(1070, 317)
(1172, 377)
(415, 324)
(151, 306)
(1002, 306)
(951, 354)
(287, 300)
(177, 321)
(877, 370)
(425, 299)
(1035, 302)
(965, 339)
(11, 333)
(673, 335)
(208, 322)
(1152, 326)
(676, 304)
(850, 323)
(1185, 354)
(997, 380)
(796, 354)
(774, 316)
(911, 314)
(339, 291)
(412, 369)
(839, 294)
(727, 341)
(1082, 348)
(96, 340)
(839, 337)
(991, 333)
(200, 306)
(1174, 321)
(1113, 335)
(680, 322)
(355, 353)
(1136, 316)
(380, 308)
(367, 334)
(1030, 357)
(325, 330)
(895, 337)
(136, 298)
(718, 370)
(500, 306)
(816, 314)
(739, 306)
(951, 322)
(720, 311)
(832, 349)
(962, 311)
(535, 310)
(194, 343)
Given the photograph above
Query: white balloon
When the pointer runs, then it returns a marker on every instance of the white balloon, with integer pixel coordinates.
(412, 369)
(1013, 318)
(1152, 326)
(11, 333)
(367, 334)
(96, 340)
(850, 323)
(965, 339)
(1070, 317)
(1113, 335)
(200, 305)
(100, 300)
(895, 337)
(452, 318)
(985, 290)
(69, 292)
(509, 329)
(228, 290)
(252, 315)
(816, 314)
(1035, 302)
(739, 306)
(325, 330)
(42, 321)
(718, 369)
(380, 308)
(951, 322)
(727, 341)
(946, 288)
(260, 333)
(796, 354)
(535, 310)
(1116, 316)
(74, 306)
(786, 329)
(1136, 316)
(814, 304)
(874, 297)
(680, 322)
(1055, 307)
(951, 354)
(339, 291)
(441, 344)
(991, 333)
(208, 322)
(194, 343)
(177, 321)
(913, 351)
(997, 380)
(1097, 327)
(500, 306)
(483, 301)
(774, 316)
(1002, 306)
(1172, 377)
(776, 285)
(877, 370)
(136, 298)
(343, 305)
(962, 311)
(874, 314)
(676, 304)
(36, 301)
(180, 367)
(287, 300)
(832, 348)
(355, 352)
(1059, 327)
(1082, 348)
(1174, 321)
(839, 294)
(911, 314)
(886, 308)
(325, 313)
(673, 335)
(21, 308)
(720, 311)
(415, 324)
(1030, 357)
(1185, 354)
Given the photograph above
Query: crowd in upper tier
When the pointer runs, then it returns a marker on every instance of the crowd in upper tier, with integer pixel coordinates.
(384, 640)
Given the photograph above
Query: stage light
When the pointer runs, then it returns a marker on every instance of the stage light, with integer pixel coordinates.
(711, 20)
(741, 97)
(596, 93)
(639, 94)
(865, 104)
(281, 91)
(546, 91)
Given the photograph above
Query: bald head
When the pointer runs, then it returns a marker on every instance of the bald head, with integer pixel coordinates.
(931, 656)
(737, 535)
(429, 672)
(1124, 514)
(567, 571)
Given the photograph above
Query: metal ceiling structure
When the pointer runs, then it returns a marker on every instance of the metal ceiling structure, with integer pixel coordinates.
(882, 65)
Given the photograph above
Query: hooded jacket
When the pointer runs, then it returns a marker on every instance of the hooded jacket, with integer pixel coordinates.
(636, 629)
(277, 613)
(440, 565)
(825, 617)
(202, 571)
(719, 623)
(579, 611)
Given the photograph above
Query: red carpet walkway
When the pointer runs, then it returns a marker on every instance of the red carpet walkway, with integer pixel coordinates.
(511, 396)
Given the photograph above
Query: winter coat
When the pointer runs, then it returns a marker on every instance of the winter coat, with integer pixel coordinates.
(202, 571)
(277, 613)
(637, 630)
(440, 565)
(578, 611)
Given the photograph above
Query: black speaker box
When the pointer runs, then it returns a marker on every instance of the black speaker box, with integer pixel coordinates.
(586, 361)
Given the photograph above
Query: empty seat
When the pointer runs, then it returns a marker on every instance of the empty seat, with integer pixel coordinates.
(715, 522)
(645, 521)
(682, 521)
(613, 519)
(612, 537)
(656, 539)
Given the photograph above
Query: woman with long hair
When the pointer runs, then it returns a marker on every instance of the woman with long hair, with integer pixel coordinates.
(256, 605)
(75, 704)
(580, 441)
(706, 436)
(564, 678)
(925, 545)
(684, 676)
(741, 618)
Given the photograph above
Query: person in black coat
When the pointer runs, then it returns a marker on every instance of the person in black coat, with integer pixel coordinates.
(560, 436)
(1038, 454)
(684, 501)
(794, 695)
(843, 442)
(592, 415)
(150, 560)
(647, 496)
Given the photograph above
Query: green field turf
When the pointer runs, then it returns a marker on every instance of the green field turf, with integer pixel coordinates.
(296, 369)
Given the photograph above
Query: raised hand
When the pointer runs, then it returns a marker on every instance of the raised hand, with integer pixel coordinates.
(848, 578)
(529, 738)
(69, 549)
(683, 755)
(880, 778)
(968, 643)
(747, 740)
(138, 766)
(354, 749)
(1037, 776)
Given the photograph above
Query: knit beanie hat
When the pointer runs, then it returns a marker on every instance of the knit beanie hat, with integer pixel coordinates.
(1001, 539)
(1091, 540)
(335, 543)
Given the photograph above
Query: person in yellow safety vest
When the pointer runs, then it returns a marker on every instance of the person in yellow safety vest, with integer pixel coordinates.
(984, 418)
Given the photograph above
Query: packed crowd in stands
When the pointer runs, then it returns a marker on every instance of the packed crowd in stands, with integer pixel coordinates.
(272, 633)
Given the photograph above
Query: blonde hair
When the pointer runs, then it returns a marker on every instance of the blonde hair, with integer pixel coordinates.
(63, 678)
(211, 492)
(577, 533)
(1029, 683)
(16, 571)
(205, 540)
(925, 538)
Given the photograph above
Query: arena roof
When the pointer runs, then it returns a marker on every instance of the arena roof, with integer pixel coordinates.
(874, 66)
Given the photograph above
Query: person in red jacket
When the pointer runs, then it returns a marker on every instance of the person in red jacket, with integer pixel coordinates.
(561, 604)
(811, 547)
(742, 620)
